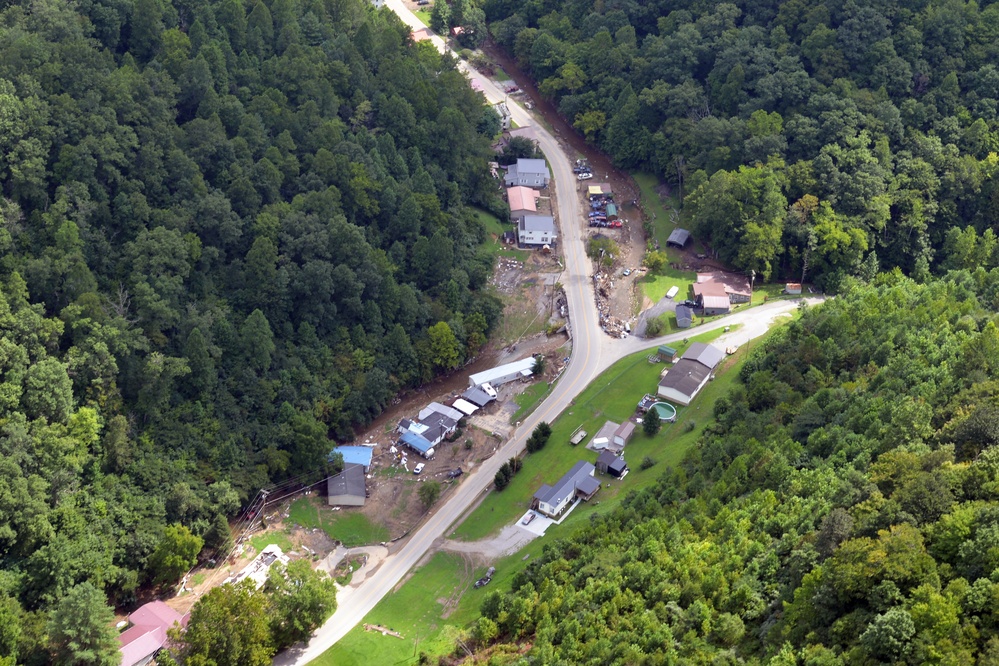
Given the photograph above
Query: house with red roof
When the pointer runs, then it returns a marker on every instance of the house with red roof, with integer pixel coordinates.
(147, 633)
(523, 202)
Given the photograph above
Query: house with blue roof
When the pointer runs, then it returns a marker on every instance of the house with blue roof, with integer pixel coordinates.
(417, 443)
(355, 455)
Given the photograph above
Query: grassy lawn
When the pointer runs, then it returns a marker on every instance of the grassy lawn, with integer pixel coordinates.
(424, 16)
(281, 539)
(494, 245)
(350, 527)
(415, 611)
(612, 396)
(529, 399)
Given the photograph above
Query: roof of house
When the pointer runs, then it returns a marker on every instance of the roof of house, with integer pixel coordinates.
(686, 376)
(588, 485)
(348, 482)
(715, 302)
(684, 314)
(625, 430)
(679, 236)
(733, 283)
(618, 465)
(705, 354)
(355, 455)
(525, 165)
(488, 376)
(427, 413)
(477, 396)
(414, 441)
(465, 407)
(537, 223)
(566, 486)
(148, 631)
(709, 289)
(522, 198)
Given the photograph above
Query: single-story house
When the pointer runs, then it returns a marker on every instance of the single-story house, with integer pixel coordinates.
(439, 428)
(509, 237)
(711, 298)
(477, 396)
(536, 230)
(737, 287)
(792, 288)
(611, 463)
(147, 633)
(417, 443)
(684, 316)
(684, 381)
(523, 201)
(577, 482)
(666, 353)
(355, 455)
(504, 373)
(678, 237)
(689, 375)
(528, 172)
(465, 407)
(347, 487)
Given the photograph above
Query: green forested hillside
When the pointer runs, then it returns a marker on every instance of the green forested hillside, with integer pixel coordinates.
(809, 135)
(842, 508)
(228, 232)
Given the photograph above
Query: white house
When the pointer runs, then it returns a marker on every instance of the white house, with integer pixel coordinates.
(578, 481)
(536, 230)
(529, 173)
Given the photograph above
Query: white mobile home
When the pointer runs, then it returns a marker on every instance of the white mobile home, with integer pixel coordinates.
(503, 373)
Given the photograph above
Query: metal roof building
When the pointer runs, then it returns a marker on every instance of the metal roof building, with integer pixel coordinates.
(678, 237)
(355, 455)
(347, 487)
(503, 373)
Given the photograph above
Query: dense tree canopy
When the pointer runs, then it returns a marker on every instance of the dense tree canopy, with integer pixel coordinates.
(229, 232)
(841, 508)
(846, 127)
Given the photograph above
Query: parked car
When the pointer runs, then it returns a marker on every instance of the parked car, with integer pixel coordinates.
(626, 272)
(584, 176)
(528, 518)
(455, 473)
(419, 468)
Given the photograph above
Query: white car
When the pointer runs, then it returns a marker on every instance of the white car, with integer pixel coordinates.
(584, 176)
(419, 468)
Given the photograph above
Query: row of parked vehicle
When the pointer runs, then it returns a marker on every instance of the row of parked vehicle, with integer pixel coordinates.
(582, 170)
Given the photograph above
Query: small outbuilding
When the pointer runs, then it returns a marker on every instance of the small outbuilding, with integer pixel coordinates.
(678, 237)
(477, 396)
(347, 487)
(464, 406)
(792, 288)
(684, 316)
(665, 353)
(610, 463)
(611, 211)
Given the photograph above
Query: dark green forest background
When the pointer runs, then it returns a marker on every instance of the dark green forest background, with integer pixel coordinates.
(805, 137)
(841, 508)
(229, 232)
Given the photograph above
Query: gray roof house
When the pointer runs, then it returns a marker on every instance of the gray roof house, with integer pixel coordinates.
(684, 316)
(689, 375)
(536, 230)
(347, 487)
(528, 173)
(578, 481)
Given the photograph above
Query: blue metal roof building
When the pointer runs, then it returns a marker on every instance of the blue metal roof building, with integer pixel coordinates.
(418, 443)
(357, 455)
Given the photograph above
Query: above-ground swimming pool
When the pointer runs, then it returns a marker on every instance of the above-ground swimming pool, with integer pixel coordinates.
(666, 411)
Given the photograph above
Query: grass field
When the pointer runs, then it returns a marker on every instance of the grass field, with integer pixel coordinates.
(529, 399)
(417, 613)
(612, 396)
(281, 539)
(350, 527)
(494, 246)
(424, 16)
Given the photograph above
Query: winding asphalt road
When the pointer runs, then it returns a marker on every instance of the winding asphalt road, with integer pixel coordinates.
(592, 352)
